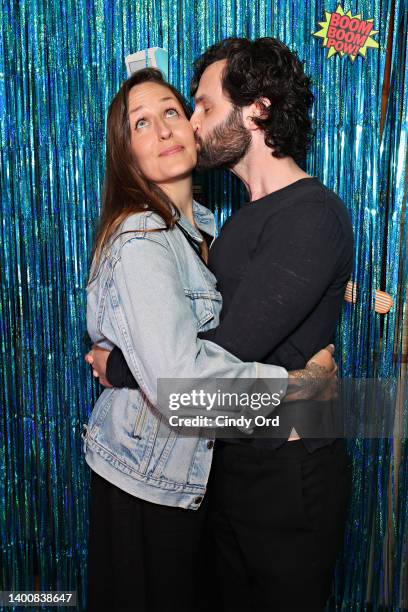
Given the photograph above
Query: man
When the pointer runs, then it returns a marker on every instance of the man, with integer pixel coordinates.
(282, 263)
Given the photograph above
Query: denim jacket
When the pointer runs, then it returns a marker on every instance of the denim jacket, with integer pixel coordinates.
(151, 296)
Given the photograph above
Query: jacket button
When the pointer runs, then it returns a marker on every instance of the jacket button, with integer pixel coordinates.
(198, 500)
(210, 444)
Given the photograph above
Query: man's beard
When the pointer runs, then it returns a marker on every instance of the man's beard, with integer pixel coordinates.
(226, 144)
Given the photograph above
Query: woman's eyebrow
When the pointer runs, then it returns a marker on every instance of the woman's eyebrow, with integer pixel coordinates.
(143, 106)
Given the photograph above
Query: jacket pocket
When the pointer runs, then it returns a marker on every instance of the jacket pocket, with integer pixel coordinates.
(205, 304)
(100, 411)
(140, 418)
(151, 429)
(161, 460)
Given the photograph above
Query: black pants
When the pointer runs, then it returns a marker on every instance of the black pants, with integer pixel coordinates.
(277, 520)
(267, 533)
(142, 556)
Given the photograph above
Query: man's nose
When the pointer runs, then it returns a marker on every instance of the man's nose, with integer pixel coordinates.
(195, 123)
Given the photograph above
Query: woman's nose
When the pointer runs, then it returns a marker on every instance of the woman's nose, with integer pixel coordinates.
(164, 130)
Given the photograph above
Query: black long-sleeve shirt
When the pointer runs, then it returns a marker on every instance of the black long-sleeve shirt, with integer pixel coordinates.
(282, 263)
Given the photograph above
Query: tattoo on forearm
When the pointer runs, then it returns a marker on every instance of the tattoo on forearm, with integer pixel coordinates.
(305, 384)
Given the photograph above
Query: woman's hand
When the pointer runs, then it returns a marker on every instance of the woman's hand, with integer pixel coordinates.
(97, 358)
(317, 381)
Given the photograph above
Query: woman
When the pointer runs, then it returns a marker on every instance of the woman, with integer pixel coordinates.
(150, 294)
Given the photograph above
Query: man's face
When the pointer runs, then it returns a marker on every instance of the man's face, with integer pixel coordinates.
(221, 136)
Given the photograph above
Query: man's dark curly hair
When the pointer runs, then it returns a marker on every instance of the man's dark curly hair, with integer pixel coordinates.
(265, 67)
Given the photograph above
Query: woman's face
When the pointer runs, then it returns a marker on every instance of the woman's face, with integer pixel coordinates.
(162, 138)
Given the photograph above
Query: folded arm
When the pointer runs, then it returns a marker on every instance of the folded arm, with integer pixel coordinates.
(281, 287)
(156, 328)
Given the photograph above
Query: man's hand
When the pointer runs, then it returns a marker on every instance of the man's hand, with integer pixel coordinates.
(324, 359)
(317, 381)
(97, 358)
(325, 362)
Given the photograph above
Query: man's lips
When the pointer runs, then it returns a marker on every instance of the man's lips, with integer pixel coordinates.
(172, 150)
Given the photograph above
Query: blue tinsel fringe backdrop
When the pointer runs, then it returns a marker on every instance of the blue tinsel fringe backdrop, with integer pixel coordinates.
(61, 63)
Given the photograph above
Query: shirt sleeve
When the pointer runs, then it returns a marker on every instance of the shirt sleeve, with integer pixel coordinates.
(156, 329)
(297, 259)
(118, 372)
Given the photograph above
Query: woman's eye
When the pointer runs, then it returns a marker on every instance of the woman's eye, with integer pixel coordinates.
(207, 110)
(140, 123)
(170, 112)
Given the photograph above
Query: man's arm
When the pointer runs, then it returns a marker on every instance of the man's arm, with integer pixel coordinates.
(118, 372)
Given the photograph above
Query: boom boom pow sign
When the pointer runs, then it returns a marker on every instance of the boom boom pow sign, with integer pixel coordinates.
(346, 34)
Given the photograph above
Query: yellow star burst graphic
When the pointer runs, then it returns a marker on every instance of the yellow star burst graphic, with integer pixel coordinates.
(346, 34)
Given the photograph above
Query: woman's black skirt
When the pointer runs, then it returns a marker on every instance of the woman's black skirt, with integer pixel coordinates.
(144, 556)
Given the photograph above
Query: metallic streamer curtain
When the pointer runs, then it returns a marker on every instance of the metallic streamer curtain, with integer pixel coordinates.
(61, 63)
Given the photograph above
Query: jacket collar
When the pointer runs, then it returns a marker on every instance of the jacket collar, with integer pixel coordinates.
(204, 219)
